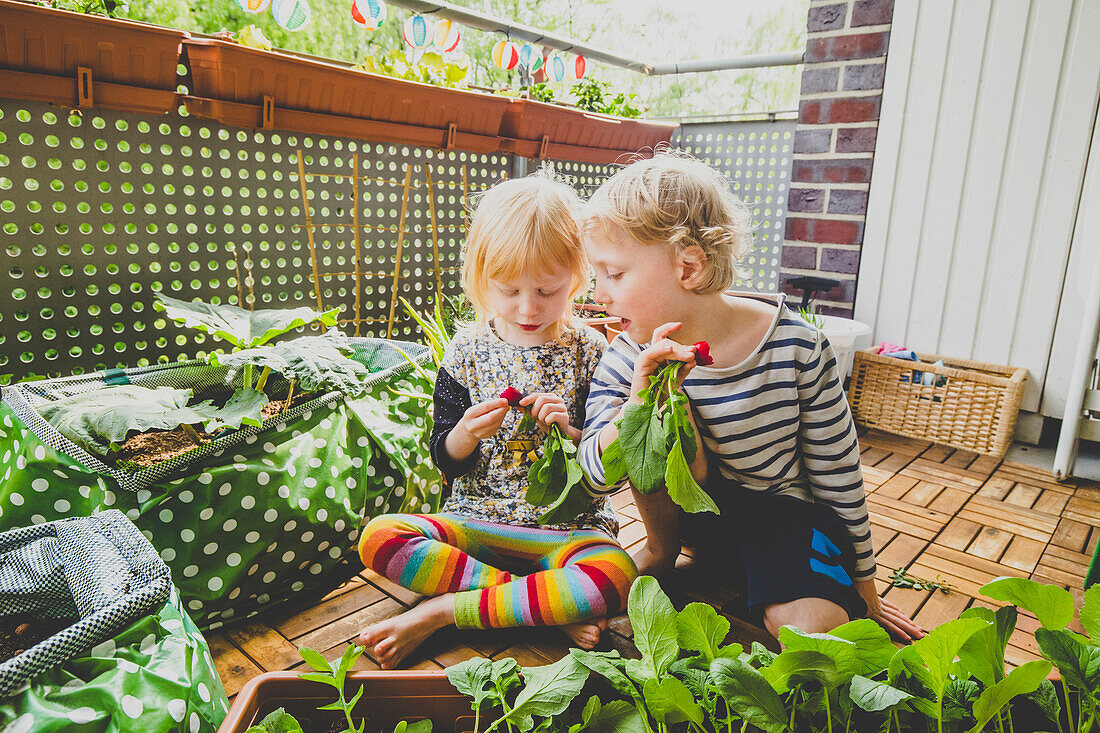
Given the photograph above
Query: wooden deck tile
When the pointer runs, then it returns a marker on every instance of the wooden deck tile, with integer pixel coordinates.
(950, 500)
(894, 443)
(901, 551)
(959, 533)
(328, 611)
(990, 543)
(1022, 554)
(897, 487)
(267, 647)
(631, 533)
(1072, 535)
(941, 607)
(233, 666)
(347, 628)
(906, 518)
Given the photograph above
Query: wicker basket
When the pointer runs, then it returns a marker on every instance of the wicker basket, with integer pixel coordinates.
(971, 405)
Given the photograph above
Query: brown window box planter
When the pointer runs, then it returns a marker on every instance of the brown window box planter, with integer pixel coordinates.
(388, 697)
(41, 40)
(232, 81)
(571, 134)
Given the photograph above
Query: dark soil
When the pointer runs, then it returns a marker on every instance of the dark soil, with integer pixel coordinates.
(146, 450)
(20, 632)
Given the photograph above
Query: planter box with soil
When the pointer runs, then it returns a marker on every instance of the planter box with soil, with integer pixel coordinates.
(571, 134)
(133, 65)
(251, 517)
(388, 697)
(94, 633)
(324, 97)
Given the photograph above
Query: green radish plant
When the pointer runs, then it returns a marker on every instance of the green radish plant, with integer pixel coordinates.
(280, 721)
(656, 440)
(850, 679)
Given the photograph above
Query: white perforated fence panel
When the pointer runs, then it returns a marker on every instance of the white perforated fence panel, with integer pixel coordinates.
(757, 159)
(99, 211)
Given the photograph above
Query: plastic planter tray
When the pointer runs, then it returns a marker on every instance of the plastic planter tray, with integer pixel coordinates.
(388, 697)
(55, 42)
(231, 73)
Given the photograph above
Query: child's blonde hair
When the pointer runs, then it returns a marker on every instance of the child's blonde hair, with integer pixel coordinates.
(677, 200)
(524, 226)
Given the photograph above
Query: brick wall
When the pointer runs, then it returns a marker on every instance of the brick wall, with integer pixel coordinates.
(834, 146)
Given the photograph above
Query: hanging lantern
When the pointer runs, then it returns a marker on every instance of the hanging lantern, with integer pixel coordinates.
(447, 36)
(370, 14)
(293, 15)
(555, 68)
(530, 58)
(575, 67)
(505, 55)
(416, 32)
(252, 7)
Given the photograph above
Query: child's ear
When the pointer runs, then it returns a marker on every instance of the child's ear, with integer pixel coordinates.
(691, 265)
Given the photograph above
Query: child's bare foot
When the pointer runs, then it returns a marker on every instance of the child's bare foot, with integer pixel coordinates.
(586, 634)
(650, 563)
(396, 638)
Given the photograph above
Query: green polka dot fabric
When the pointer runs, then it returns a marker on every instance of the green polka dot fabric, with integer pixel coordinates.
(261, 516)
(155, 675)
(130, 658)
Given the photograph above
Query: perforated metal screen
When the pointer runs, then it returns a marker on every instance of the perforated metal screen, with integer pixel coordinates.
(98, 212)
(757, 158)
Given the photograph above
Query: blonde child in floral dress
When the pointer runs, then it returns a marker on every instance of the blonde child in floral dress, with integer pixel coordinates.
(485, 560)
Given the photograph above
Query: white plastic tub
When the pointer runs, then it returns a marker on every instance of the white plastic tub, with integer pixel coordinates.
(846, 336)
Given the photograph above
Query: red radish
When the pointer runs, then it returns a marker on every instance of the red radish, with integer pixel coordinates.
(702, 353)
(513, 396)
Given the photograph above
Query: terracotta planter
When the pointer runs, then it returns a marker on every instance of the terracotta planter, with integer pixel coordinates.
(40, 40)
(388, 697)
(592, 137)
(232, 82)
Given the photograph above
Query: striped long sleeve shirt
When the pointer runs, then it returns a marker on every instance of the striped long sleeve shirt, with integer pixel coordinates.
(778, 422)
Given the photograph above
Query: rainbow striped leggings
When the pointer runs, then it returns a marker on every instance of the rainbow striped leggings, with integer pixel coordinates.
(574, 576)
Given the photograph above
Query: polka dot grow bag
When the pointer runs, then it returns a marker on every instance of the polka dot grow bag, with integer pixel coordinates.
(131, 659)
(254, 517)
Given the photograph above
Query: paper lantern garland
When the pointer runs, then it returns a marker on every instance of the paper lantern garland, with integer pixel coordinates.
(252, 7)
(505, 55)
(416, 32)
(370, 14)
(555, 68)
(576, 67)
(530, 58)
(293, 15)
(447, 36)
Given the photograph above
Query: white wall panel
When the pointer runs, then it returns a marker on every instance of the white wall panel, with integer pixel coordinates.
(988, 112)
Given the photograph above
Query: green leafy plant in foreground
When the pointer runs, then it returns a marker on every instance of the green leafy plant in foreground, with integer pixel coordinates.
(655, 442)
(850, 679)
(280, 721)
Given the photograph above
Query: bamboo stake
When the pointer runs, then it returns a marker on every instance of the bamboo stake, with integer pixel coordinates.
(400, 245)
(355, 195)
(309, 229)
(435, 232)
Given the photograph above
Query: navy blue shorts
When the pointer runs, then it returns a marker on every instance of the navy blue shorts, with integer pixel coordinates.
(788, 548)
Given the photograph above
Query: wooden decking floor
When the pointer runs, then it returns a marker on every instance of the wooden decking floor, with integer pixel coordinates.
(943, 513)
